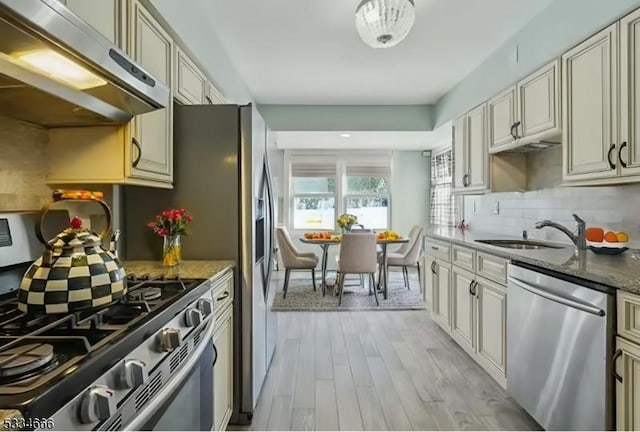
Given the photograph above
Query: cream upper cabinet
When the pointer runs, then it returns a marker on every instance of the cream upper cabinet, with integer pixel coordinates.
(491, 332)
(629, 150)
(103, 15)
(477, 161)
(152, 133)
(213, 96)
(502, 114)
(627, 368)
(190, 84)
(462, 317)
(442, 288)
(460, 152)
(539, 104)
(223, 370)
(589, 105)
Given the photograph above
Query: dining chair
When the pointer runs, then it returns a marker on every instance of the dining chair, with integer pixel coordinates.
(357, 256)
(408, 257)
(293, 259)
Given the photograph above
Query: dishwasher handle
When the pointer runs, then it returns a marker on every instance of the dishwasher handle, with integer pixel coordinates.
(557, 298)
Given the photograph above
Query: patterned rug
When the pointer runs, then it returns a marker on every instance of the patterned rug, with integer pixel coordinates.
(301, 297)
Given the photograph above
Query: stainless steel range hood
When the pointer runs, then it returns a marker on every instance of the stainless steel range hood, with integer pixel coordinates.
(55, 70)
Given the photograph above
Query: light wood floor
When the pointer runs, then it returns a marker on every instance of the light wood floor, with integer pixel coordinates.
(378, 370)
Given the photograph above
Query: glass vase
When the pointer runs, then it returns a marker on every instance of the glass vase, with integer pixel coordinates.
(171, 251)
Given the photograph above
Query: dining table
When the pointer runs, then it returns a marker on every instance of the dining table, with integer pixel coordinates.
(325, 244)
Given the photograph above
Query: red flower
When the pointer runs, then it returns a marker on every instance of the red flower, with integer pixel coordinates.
(76, 222)
(171, 222)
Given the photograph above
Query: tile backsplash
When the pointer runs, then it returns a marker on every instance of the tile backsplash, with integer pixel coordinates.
(23, 162)
(612, 207)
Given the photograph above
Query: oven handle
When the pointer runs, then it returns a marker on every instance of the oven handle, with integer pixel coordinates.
(143, 416)
(534, 289)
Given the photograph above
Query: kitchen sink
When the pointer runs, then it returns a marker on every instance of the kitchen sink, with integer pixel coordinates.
(521, 244)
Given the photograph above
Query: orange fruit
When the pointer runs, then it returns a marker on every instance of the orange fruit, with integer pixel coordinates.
(623, 237)
(611, 237)
(594, 234)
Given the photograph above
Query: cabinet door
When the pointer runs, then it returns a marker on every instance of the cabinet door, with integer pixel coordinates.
(589, 104)
(442, 288)
(628, 391)
(223, 371)
(459, 152)
(190, 83)
(478, 167)
(492, 327)
(629, 152)
(539, 103)
(102, 15)
(502, 116)
(428, 279)
(214, 96)
(462, 318)
(152, 47)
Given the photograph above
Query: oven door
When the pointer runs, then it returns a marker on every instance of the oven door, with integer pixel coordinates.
(186, 402)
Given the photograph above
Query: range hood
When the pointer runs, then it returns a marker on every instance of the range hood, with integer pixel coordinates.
(55, 70)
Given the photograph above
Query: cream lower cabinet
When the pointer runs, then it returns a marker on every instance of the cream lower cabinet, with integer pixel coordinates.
(491, 328)
(627, 363)
(428, 264)
(223, 370)
(441, 305)
(463, 308)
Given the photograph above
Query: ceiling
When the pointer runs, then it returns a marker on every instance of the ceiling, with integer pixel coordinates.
(309, 52)
(365, 140)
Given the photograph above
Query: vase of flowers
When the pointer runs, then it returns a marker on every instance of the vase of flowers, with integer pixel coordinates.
(171, 225)
(346, 221)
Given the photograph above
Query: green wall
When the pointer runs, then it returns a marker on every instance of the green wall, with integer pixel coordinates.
(348, 117)
(560, 26)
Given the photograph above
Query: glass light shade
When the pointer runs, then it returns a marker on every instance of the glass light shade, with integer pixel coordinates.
(61, 68)
(384, 23)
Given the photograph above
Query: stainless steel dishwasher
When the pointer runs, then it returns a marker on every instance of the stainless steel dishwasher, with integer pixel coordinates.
(559, 349)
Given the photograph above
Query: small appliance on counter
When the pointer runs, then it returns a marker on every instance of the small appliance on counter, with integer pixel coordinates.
(132, 364)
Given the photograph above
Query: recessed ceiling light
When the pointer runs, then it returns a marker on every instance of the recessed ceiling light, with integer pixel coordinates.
(345, 135)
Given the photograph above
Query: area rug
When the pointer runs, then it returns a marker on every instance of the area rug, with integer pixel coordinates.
(301, 297)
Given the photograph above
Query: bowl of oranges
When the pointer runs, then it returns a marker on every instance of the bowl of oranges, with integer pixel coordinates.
(604, 242)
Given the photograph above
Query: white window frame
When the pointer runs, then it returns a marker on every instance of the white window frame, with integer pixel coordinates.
(342, 159)
(457, 206)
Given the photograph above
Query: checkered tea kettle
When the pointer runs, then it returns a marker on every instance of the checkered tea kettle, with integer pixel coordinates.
(74, 272)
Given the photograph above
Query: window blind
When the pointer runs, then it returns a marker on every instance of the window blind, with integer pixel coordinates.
(307, 167)
(369, 168)
(442, 205)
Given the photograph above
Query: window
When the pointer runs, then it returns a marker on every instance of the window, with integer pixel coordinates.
(367, 193)
(323, 187)
(442, 211)
(314, 195)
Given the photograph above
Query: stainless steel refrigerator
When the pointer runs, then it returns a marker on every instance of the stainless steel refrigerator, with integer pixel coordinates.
(222, 178)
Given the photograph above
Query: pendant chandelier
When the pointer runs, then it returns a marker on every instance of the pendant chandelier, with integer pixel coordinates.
(384, 23)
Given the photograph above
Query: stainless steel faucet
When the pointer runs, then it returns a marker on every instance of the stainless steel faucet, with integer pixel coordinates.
(578, 239)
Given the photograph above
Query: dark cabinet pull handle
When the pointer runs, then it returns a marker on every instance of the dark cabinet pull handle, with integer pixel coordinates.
(136, 144)
(209, 101)
(223, 296)
(471, 287)
(465, 180)
(623, 163)
(475, 288)
(615, 357)
(435, 248)
(514, 130)
(611, 149)
(433, 267)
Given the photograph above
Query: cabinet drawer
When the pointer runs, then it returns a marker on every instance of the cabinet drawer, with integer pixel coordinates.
(492, 267)
(463, 257)
(437, 248)
(629, 316)
(222, 291)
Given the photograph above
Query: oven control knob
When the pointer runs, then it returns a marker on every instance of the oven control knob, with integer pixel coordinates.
(134, 374)
(98, 404)
(205, 306)
(193, 317)
(170, 339)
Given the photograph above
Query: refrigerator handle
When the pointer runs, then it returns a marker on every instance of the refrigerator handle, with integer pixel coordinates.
(271, 227)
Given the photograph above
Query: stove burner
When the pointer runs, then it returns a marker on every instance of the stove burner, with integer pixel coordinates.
(24, 358)
(146, 294)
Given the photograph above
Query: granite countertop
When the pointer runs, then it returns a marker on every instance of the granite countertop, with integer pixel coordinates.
(617, 271)
(186, 269)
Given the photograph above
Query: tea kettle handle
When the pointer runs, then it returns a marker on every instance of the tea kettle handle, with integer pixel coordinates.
(48, 207)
